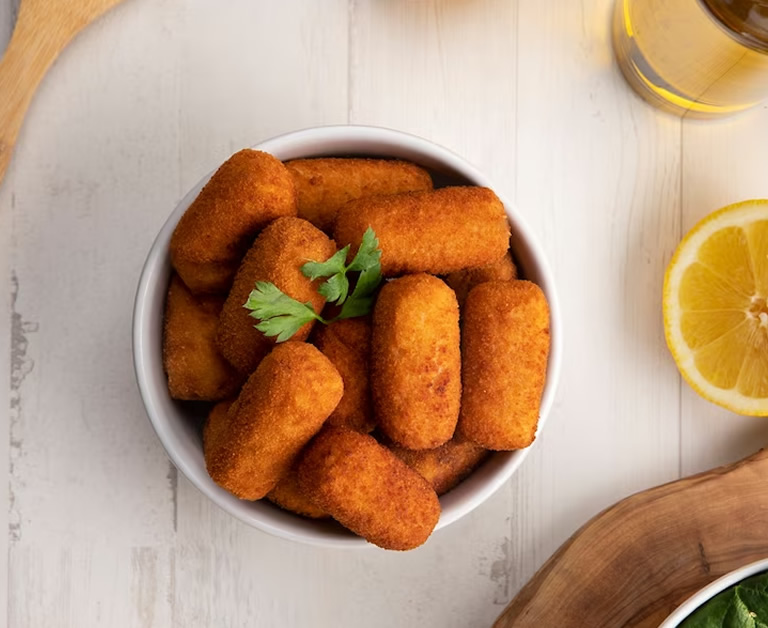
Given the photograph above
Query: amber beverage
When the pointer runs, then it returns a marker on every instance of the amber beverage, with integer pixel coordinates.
(695, 58)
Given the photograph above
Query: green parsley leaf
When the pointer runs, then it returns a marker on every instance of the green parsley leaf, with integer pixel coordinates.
(280, 315)
(360, 302)
(332, 266)
(335, 290)
(369, 254)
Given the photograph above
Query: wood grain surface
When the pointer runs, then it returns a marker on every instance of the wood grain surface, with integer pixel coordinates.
(634, 563)
(41, 31)
(101, 530)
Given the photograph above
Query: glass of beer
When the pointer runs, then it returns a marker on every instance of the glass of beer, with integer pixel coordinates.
(694, 58)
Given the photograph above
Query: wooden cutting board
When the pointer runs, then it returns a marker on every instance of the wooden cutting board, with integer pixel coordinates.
(635, 562)
(43, 29)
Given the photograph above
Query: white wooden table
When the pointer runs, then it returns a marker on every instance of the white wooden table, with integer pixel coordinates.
(102, 531)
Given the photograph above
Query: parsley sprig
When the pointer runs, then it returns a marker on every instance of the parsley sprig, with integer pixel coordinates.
(282, 316)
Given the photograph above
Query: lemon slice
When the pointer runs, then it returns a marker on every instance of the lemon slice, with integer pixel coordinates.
(716, 307)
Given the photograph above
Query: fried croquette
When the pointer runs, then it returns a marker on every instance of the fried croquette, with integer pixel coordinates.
(367, 489)
(288, 495)
(196, 370)
(323, 185)
(276, 256)
(437, 232)
(281, 406)
(445, 466)
(505, 346)
(216, 425)
(416, 361)
(248, 191)
(463, 281)
(347, 344)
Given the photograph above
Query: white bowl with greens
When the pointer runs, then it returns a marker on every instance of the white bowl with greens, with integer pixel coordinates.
(737, 600)
(177, 425)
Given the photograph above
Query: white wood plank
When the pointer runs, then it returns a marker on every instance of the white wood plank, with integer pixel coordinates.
(7, 199)
(252, 70)
(723, 162)
(96, 166)
(236, 575)
(441, 69)
(598, 177)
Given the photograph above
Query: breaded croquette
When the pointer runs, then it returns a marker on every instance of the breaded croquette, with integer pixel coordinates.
(367, 489)
(247, 192)
(505, 346)
(416, 361)
(445, 466)
(216, 425)
(325, 184)
(437, 232)
(463, 281)
(195, 368)
(288, 495)
(276, 256)
(281, 406)
(347, 344)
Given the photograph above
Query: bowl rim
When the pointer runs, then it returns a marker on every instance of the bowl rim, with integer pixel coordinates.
(156, 267)
(705, 594)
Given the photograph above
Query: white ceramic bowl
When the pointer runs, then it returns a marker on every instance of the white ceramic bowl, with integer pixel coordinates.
(703, 596)
(178, 425)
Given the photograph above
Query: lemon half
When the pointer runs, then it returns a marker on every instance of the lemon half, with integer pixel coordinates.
(716, 307)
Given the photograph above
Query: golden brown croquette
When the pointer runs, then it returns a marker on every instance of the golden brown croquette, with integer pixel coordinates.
(445, 466)
(416, 361)
(216, 426)
(463, 281)
(276, 256)
(437, 232)
(281, 406)
(505, 346)
(325, 184)
(347, 344)
(367, 489)
(288, 495)
(195, 368)
(247, 192)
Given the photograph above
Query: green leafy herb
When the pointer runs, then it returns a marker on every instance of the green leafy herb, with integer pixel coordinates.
(283, 316)
(744, 605)
(367, 262)
(336, 288)
(360, 302)
(280, 315)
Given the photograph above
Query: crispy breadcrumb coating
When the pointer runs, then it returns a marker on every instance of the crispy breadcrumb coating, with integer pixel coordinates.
(281, 406)
(446, 466)
(195, 368)
(323, 185)
(246, 193)
(276, 256)
(416, 361)
(288, 495)
(367, 489)
(463, 281)
(437, 232)
(505, 346)
(347, 344)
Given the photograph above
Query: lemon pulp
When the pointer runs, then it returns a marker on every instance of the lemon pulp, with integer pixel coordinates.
(723, 309)
(716, 307)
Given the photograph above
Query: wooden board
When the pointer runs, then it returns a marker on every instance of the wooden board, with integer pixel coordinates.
(635, 562)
